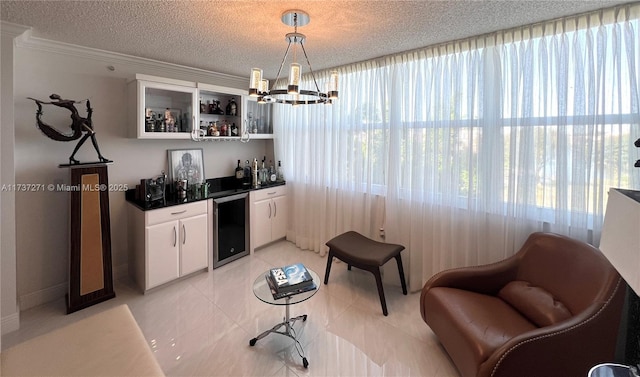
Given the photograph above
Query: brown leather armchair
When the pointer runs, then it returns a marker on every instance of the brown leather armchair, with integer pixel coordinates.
(552, 309)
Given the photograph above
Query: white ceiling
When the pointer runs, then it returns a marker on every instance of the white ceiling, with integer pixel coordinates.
(232, 36)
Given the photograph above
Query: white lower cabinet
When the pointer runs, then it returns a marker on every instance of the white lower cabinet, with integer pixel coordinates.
(193, 241)
(162, 253)
(168, 243)
(268, 214)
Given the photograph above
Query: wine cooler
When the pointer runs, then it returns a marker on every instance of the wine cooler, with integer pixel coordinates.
(230, 228)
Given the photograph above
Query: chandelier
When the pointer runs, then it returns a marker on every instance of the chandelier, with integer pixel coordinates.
(293, 95)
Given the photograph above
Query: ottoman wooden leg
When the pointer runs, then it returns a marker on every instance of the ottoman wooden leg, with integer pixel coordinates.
(401, 272)
(328, 269)
(383, 302)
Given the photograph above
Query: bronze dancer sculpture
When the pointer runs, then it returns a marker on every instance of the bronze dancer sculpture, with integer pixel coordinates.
(79, 125)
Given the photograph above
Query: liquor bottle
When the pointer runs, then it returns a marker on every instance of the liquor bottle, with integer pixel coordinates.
(169, 120)
(234, 129)
(247, 174)
(149, 121)
(203, 106)
(272, 172)
(279, 173)
(218, 110)
(239, 172)
(232, 107)
(254, 174)
(264, 173)
(224, 128)
(160, 123)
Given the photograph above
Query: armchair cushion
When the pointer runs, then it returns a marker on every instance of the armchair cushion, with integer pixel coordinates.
(475, 324)
(535, 303)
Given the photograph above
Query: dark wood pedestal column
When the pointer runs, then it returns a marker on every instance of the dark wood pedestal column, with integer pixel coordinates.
(90, 270)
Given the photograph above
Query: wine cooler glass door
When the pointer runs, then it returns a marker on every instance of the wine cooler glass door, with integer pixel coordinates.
(230, 228)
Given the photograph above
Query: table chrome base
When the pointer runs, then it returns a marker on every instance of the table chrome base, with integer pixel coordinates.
(287, 323)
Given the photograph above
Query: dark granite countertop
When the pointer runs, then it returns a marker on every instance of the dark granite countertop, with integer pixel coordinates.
(218, 188)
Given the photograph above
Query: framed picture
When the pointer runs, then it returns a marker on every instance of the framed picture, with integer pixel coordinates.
(186, 164)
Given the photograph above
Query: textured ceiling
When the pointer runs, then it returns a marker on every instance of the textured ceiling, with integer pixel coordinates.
(234, 35)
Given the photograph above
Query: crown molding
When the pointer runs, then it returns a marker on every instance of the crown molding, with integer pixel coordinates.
(136, 63)
(11, 30)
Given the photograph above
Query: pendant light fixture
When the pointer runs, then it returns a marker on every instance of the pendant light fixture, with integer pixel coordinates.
(293, 95)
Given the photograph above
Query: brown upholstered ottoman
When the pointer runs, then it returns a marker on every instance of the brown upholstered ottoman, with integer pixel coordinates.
(357, 250)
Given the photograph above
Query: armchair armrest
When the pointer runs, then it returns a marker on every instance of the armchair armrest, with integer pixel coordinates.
(486, 279)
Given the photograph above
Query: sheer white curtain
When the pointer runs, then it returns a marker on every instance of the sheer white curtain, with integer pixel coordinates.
(331, 162)
(462, 150)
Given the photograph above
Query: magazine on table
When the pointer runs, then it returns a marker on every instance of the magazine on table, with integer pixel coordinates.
(278, 295)
(291, 279)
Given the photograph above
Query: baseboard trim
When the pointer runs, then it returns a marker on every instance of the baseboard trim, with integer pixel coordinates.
(10, 323)
(42, 296)
(33, 299)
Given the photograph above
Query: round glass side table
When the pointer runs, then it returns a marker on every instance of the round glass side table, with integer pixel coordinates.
(612, 370)
(263, 292)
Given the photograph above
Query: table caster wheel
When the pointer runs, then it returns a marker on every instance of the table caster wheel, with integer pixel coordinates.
(304, 318)
(305, 363)
(253, 341)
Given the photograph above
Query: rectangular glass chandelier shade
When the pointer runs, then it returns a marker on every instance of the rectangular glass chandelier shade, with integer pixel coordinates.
(332, 93)
(295, 72)
(264, 86)
(254, 82)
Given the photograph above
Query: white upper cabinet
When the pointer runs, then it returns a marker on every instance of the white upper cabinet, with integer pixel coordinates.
(259, 119)
(221, 111)
(163, 108)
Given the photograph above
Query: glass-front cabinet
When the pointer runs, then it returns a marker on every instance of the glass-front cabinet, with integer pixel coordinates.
(221, 112)
(175, 109)
(259, 119)
(164, 108)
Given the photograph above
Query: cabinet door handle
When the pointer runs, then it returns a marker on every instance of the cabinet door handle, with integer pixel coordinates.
(275, 209)
(179, 212)
(184, 234)
(271, 193)
(269, 210)
(175, 236)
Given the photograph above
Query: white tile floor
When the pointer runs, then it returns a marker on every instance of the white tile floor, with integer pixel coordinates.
(202, 325)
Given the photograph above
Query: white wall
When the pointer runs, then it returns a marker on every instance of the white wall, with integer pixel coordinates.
(45, 67)
(9, 308)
